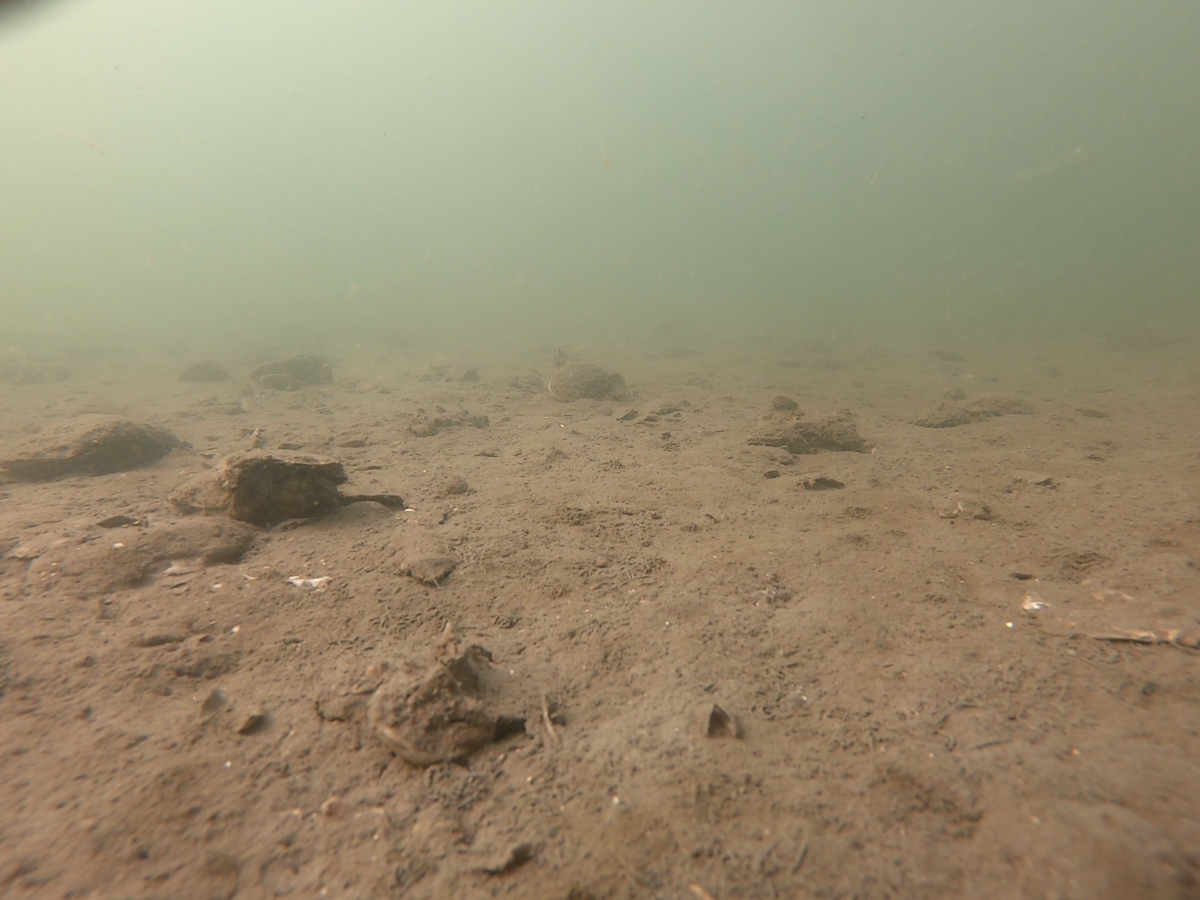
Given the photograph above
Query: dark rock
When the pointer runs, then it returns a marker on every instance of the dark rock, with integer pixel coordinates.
(582, 381)
(293, 374)
(721, 724)
(264, 487)
(88, 445)
(821, 483)
(205, 370)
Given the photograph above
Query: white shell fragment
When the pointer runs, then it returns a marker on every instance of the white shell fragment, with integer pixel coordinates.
(316, 583)
(1033, 603)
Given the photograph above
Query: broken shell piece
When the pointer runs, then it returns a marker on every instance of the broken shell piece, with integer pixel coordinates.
(318, 584)
(1033, 603)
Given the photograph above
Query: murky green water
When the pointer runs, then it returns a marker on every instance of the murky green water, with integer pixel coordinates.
(189, 171)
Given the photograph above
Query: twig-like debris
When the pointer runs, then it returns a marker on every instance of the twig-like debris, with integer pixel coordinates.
(546, 718)
(800, 859)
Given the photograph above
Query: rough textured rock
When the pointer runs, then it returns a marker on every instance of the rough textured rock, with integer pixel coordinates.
(583, 381)
(798, 433)
(432, 714)
(87, 445)
(264, 487)
(950, 415)
(293, 374)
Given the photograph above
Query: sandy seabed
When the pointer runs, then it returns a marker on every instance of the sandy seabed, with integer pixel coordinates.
(907, 724)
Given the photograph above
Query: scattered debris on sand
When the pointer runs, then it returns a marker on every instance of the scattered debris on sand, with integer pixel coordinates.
(1114, 615)
(720, 724)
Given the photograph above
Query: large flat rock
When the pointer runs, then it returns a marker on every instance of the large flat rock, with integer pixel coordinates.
(87, 445)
